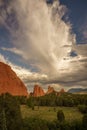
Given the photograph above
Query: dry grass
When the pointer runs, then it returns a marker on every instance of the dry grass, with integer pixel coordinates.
(49, 113)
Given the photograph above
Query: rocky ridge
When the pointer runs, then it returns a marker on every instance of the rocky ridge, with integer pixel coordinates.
(38, 91)
(10, 82)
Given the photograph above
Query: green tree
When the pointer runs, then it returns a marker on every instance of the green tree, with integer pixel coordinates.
(84, 122)
(4, 123)
(30, 103)
(60, 116)
(82, 108)
(10, 115)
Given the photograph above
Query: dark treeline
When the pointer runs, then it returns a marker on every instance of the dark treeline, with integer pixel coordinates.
(11, 119)
(66, 99)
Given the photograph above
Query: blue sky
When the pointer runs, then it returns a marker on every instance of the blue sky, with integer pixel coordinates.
(47, 42)
(77, 14)
(78, 17)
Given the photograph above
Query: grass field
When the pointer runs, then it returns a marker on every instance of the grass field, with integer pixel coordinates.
(49, 113)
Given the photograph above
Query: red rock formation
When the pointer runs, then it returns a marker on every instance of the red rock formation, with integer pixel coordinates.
(9, 82)
(50, 90)
(38, 91)
(62, 91)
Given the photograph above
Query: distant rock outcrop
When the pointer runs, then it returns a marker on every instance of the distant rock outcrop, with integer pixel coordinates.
(50, 90)
(38, 91)
(10, 83)
(62, 91)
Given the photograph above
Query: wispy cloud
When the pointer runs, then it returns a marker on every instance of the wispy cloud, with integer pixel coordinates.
(85, 33)
(15, 51)
(2, 58)
(83, 30)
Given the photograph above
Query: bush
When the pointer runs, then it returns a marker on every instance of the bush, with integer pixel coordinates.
(60, 116)
(84, 122)
(34, 124)
(82, 108)
(30, 103)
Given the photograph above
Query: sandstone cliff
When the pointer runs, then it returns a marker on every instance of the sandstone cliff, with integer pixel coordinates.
(9, 82)
(38, 91)
(50, 90)
(62, 91)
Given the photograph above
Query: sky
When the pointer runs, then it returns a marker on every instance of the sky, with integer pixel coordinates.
(45, 42)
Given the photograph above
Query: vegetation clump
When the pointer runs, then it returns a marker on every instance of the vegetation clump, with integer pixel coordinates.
(10, 114)
(60, 116)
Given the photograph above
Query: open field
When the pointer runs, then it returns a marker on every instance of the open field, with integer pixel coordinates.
(49, 113)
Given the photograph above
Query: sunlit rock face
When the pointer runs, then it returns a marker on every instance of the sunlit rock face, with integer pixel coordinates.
(62, 91)
(38, 91)
(10, 83)
(50, 90)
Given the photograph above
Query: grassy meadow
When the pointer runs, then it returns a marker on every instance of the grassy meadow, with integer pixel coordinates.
(49, 113)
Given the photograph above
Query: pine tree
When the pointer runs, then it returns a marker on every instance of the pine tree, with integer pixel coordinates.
(4, 125)
(60, 116)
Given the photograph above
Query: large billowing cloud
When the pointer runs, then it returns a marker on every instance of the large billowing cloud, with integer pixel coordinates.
(45, 41)
(41, 32)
